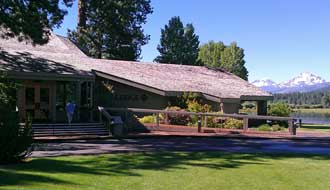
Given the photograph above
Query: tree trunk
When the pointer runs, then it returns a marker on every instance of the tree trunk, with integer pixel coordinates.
(81, 14)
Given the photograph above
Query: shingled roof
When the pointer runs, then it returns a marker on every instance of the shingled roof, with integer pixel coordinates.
(60, 56)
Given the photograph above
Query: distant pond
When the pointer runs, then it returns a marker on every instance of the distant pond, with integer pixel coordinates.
(317, 118)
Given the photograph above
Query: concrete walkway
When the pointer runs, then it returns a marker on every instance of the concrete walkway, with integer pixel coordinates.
(103, 146)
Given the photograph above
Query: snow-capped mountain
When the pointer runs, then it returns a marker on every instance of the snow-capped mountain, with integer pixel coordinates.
(264, 82)
(267, 85)
(303, 79)
(304, 82)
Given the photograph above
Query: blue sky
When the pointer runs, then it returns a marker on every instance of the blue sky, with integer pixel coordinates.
(281, 38)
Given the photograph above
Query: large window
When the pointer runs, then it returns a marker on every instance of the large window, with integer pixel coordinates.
(86, 94)
(65, 92)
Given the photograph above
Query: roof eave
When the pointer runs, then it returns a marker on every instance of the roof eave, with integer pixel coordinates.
(48, 76)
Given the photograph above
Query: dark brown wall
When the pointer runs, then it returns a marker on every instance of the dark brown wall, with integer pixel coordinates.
(115, 94)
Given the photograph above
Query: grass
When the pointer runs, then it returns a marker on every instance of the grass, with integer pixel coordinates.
(318, 110)
(315, 127)
(170, 170)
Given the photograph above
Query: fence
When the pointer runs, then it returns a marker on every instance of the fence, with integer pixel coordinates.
(291, 121)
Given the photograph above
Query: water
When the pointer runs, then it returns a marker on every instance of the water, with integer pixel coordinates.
(317, 118)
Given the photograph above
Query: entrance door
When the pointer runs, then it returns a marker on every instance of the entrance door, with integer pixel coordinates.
(37, 102)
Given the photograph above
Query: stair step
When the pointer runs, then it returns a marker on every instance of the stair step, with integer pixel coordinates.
(75, 129)
(92, 129)
(72, 131)
(66, 124)
(54, 132)
(70, 127)
(70, 134)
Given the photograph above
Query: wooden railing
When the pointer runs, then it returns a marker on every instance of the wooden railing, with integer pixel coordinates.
(291, 121)
(107, 123)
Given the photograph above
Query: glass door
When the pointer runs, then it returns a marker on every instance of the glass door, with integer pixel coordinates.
(37, 102)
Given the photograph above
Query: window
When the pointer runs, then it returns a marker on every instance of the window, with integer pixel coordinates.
(86, 94)
(29, 96)
(44, 95)
(65, 92)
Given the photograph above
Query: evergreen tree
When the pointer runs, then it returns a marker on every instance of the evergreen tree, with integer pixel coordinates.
(313, 99)
(211, 52)
(31, 20)
(178, 44)
(326, 100)
(112, 29)
(229, 58)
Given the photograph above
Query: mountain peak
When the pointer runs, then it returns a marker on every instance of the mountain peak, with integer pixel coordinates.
(305, 81)
(264, 82)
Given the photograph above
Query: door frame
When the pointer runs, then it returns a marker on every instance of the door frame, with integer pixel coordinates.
(37, 86)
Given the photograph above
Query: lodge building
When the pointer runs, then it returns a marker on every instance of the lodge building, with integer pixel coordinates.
(58, 72)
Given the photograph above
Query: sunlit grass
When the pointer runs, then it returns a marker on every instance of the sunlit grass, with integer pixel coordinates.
(170, 170)
(319, 110)
(315, 127)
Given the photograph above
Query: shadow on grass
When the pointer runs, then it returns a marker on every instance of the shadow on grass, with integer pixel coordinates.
(130, 164)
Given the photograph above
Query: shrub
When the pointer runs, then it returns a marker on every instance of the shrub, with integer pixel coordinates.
(195, 106)
(279, 109)
(231, 123)
(266, 127)
(277, 127)
(15, 141)
(215, 122)
(148, 119)
(177, 119)
(182, 101)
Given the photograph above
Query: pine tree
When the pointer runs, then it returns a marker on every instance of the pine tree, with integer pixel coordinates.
(112, 29)
(31, 20)
(229, 58)
(178, 44)
(326, 101)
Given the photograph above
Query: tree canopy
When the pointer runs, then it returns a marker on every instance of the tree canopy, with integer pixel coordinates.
(178, 44)
(326, 100)
(315, 99)
(112, 29)
(229, 58)
(31, 20)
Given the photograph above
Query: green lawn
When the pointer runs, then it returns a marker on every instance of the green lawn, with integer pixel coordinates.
(166, 170)
(315, 127)
(316, 110)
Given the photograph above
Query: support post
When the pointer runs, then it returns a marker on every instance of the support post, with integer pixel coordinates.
(78, 99)
(262, 107)
(91, 101)
(100, 116)
(157, 120)
(53, 102)
(245, 124)
(126, 121)
(199, 123)
(292, 128)
(166, 119)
